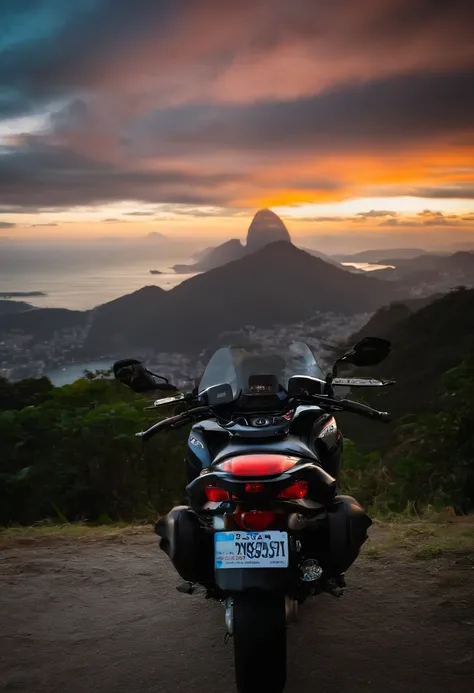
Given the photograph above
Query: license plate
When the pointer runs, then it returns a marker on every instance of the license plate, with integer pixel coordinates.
(251, 549)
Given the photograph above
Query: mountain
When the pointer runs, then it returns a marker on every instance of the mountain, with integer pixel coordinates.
(9, 307)
(425, 344)
(384, 319)
(278, 284)
(380, 255)
(215, 257)
(125, 320)
(330, 260)
(156, 236)
(430, 269)
(42, 323)
(266, 227)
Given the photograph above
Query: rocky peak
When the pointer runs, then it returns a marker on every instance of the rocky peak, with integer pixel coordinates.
(266, 227)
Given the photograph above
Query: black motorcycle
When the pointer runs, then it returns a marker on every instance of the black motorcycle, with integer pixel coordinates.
(264, 527)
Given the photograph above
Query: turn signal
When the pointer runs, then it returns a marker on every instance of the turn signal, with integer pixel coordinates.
(216, 495)
(297, 490)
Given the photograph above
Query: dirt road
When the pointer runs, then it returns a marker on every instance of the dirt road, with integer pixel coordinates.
(104, 615)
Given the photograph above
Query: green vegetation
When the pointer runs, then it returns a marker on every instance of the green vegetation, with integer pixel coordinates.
(433, 462)
(73, 455)
(425, 345)
(69, 454)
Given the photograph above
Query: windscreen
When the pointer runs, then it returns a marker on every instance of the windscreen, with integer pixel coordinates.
(258, 370)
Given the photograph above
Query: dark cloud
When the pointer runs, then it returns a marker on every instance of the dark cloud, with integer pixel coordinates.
(430, 218)
(36, 225)
(6, 225)
(398, 222)
(459, 192)
(25, 209)
(140, 214)
(321, 219)
(54, 176)
(389, 113)
(228, 95)
(376, 213)
(426, 218)
(54, 63)
(187, 210)
(54, 49)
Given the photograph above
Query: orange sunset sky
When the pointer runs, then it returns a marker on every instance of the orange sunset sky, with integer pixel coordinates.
(352, 120)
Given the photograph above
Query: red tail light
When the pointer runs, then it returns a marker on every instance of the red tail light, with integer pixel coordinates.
(257, 465)
(254, 488)
(216, 495)
(297, 490)
(257, 520)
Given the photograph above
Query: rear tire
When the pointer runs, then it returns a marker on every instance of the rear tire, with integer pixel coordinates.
(260, 642)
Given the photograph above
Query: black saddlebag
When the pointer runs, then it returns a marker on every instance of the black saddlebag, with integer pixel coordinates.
(187, 543)
(336, 539)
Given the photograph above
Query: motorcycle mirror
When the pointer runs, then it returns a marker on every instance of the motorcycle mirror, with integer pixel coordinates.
(370, 351)
(138, 378)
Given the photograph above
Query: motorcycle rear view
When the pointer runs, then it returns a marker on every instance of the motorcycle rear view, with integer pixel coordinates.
(264, 528)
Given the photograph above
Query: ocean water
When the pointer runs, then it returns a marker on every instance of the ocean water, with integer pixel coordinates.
(82, 277)
(367, 266)
(72, 372)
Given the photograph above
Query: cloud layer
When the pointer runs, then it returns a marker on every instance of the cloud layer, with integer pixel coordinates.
(235, 104)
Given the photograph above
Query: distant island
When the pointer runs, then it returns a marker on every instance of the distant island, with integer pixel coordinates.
(155, 272)
(23, 294)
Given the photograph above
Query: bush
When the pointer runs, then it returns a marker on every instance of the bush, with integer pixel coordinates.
(75, 457)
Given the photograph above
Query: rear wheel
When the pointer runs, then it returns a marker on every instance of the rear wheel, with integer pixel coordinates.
(259, 626)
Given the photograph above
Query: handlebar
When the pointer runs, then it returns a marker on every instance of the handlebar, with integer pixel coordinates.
(173, 422)
(364, 410)
(327, 403)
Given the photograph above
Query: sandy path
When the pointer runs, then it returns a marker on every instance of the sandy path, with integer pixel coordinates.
(105, 616)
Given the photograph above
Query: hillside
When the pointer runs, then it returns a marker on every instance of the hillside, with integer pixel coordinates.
(42, 322)
(384, 319)
(125, 321)
(214, 257)
(278, 284)
(425, 345)
(458, 266)
(8, 307)
(380, 255)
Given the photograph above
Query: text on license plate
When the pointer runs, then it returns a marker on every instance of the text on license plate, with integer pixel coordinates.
(251, 549)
